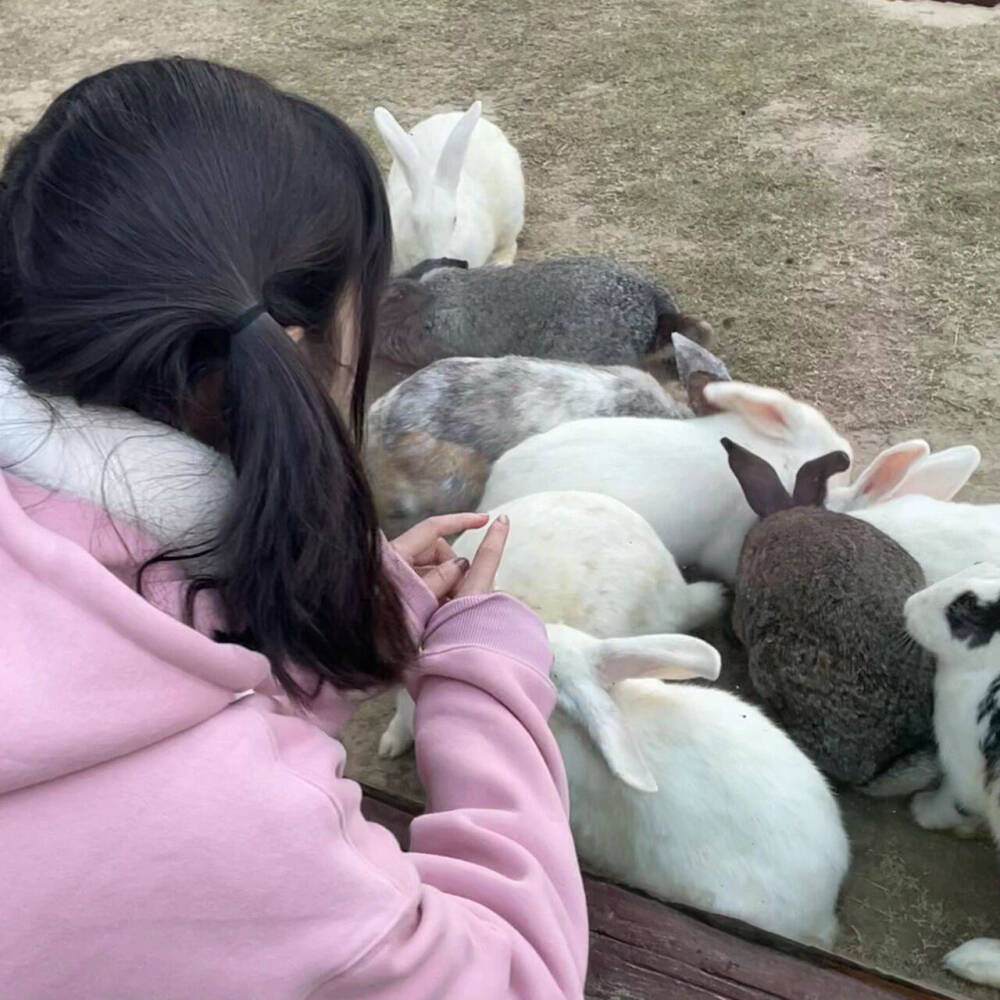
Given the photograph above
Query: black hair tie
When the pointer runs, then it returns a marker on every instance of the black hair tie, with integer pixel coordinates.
(245, 319)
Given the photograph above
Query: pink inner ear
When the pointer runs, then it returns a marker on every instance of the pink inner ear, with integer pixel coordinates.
(890, 472)
(775, 414)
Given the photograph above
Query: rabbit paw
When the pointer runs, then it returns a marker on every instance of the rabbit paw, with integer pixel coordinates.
(395, 741)
(977, 960)
(936, 810)
(504, 256)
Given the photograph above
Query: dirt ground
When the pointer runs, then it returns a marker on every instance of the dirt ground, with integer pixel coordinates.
(818, 178)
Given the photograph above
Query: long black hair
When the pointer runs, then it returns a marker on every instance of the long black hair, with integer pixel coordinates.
(152, 206)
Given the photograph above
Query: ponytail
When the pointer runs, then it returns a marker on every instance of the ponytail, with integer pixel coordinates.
(298, 542)
(138, 219)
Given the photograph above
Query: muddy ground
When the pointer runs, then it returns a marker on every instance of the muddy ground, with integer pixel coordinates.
(818, 178)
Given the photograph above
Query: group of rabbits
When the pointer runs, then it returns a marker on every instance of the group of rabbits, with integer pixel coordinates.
(869, 610)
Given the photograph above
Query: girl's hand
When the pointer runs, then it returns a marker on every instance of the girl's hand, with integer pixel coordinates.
(424, 548)
(485, 563)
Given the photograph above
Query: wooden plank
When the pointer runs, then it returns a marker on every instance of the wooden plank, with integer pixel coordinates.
(641, 948)
(688, 949)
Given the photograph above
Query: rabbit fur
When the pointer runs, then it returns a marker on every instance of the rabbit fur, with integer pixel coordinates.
(907, 493)
(673, 472)
(777, 859)
(605, 570)
(432, 440)
(455, 189)
(819, 607)
(691, 794)
(570, 309)
(958, 620)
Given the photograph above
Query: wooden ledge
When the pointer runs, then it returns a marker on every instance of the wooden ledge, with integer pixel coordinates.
(642, 949)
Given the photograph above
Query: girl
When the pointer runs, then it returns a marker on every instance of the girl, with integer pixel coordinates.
(195, 592)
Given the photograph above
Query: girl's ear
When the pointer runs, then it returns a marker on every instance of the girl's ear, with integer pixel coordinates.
(761, 486)
(667, 657)
(403, 149)
(886, 471)
(449, 164)
(767, 411)
(940, 475)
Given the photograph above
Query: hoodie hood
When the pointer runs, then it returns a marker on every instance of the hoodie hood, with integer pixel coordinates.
(89, 669)
(143, 473)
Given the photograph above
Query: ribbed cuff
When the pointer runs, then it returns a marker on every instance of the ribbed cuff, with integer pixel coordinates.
(418, 602)
(492, 621)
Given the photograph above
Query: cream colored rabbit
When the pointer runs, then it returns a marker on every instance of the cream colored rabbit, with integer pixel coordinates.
(455, 189)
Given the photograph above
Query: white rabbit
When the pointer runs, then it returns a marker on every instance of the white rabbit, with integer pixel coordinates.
(903, 493)
(674, 472)
(958, 620)
(456, 189)
(587, 560)
(692, 794)
(943, 537)
(907, 469)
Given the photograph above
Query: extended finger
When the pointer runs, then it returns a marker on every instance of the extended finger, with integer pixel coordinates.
(486, 562)
(424, 536)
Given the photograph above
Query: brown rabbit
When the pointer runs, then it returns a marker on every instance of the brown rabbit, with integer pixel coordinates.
(819, 606)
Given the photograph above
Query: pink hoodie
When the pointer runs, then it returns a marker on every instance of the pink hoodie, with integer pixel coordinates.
(171, 830)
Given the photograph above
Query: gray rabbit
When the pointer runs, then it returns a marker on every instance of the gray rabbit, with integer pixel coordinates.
(819, 606)
(572, 309)
(432, 440)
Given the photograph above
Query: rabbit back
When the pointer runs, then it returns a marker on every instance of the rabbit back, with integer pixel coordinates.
(587, 560)
(574, 309)
(778, 859)
(819, 606)
(431, 439)
(943, 536)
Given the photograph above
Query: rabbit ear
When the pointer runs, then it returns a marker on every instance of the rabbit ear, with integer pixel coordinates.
(594, 709)
(940, 475)
(402, 147)
(449, 164)
(696, 384)
(810, 483)
(886, 471)
(761, 486)
(768, 411)
(694, 359)
(668, 657)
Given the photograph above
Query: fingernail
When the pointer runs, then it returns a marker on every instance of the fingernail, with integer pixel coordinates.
(503, 519)
(463, 564)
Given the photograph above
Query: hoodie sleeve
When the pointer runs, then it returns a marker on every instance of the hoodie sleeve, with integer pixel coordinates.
(500, 911)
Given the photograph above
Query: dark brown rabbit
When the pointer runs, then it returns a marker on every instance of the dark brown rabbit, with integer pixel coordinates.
(819, 606)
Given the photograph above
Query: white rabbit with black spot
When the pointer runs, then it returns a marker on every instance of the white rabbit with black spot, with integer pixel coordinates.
(958, 619)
